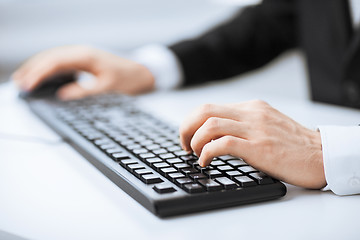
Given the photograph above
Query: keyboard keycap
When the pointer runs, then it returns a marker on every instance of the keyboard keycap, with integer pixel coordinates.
(159, 151)
(176, 175)
(193, 188)
(151, 161)
(164, 188)
(133, 167)
(237, 163)
(226, 157)
(140, 151)
(245, 181)
(166, 171)
(139, 172)
(197, 176)
(226, 182)
(210, 184)
(181, 153)
(183, 181)
(147, 155)
(120, 156)
(160, 165)
(213, 173)
(166, 155)
(188, 171)
(247, 169)
(189, 158)
(173, 161)
(224, 168)
(261, 178)
(126, 162)
(232, 174)
(150, 178)
(181, 165)
(217, 163)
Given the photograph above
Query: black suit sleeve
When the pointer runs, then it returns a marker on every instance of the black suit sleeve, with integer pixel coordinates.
(251, 39)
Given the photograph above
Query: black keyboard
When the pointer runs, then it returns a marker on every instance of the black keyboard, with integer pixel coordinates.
(141, 154)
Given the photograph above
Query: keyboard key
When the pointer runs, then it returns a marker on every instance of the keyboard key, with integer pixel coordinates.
(147, 143)
(226, 183)
(167, 144)
(196, 176)
(247, 169)
(189, 158)
(153, 147)
(213, 173)
(159, 165)
(120, 156)
(245, 181)
(261, 178)
(188, 171)
(210, 185)
(193, 188)
(176, 175)
(232, 174)
(217, 163)
(133, 146)
(151, 161)
(140, 151)
(183, 181)
(224, 168)
(164, 188)
(101, 141)
(181, 165)
(133, 167)
(173, 161)
(166, 155)
(181, 153)
(174, 148)
(237, 163)
(139, 172)
(146, 155)
(150, 178)
(226, 157)
(159, 151)
(166, 171)
(203, 169)
(113, 150)
(126, 162)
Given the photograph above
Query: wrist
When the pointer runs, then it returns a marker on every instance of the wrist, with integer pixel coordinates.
(316, 161)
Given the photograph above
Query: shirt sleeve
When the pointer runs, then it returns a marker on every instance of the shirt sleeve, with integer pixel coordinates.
(162, 63)
(341, 156)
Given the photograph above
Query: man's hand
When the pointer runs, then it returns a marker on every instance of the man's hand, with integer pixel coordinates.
(265, 138)
(112, 73)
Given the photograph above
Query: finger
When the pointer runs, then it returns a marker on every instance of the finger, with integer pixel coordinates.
(75, 90)
(200, 115)
(215, 128)
(225, 145)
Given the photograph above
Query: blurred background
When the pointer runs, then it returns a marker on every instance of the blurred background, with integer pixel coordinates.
(27, 27)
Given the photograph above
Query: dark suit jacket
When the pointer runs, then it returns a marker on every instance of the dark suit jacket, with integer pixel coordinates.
(258, 34)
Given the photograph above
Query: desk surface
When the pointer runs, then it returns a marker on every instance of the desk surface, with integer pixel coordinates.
(48, 191)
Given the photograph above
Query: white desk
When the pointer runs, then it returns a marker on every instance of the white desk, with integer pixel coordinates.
(48, 191)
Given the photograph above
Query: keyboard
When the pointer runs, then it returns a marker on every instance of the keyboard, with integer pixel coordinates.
(141, 154)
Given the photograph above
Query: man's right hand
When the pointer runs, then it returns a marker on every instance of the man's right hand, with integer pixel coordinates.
(112, 73)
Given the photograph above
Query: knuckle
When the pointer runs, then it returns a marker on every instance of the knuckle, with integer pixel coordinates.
(212, 123)
(205, 109)
(260, 103)
(229, 142)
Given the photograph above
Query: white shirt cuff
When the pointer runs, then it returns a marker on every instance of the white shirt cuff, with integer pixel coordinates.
(341, 156)
(162, 63)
